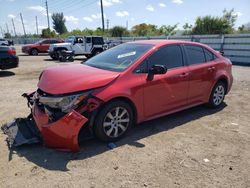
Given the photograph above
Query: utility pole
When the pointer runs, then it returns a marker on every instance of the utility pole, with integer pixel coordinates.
(2, 31)
(7, 28)
(23, 24)
(36, 26)
(13, 26)
(103, 28)
(127, 24)
(107, 24)
(47, 10)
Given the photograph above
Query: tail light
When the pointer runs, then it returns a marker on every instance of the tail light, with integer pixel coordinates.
(12, 51)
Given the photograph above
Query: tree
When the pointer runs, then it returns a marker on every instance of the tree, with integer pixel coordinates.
(59, 23)
(7, 35)
(46, 33)
(187, 29)
(168, 29)
(244, 28)
(118, 31)
(144, 29)
(215, 25)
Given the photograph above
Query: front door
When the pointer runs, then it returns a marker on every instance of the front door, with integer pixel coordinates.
(168, 92)
(79, 46)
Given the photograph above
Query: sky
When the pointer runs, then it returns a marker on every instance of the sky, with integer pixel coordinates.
(82, 14)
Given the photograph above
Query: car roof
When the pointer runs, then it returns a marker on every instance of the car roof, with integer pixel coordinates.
(163, 42)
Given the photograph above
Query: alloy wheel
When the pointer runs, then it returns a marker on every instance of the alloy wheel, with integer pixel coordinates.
(218, 95)
(116, 122)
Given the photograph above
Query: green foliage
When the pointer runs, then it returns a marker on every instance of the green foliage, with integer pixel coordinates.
(47, 33)
(144, 29)
(7, 35)
(59, 23)
(187, 29)
(168, 29)
(215, 25)
(244, 28)
(118, 31)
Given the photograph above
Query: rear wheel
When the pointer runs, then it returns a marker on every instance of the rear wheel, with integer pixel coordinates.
(113, 121)
(33, 51)
(217, 96)
(96, 52)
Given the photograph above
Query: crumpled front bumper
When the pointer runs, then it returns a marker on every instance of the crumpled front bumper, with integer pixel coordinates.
(61, 134)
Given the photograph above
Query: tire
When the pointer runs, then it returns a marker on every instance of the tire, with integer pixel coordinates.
(33, 51)
(217, 95)
(96, 52)
(54, 57)
(113, 121)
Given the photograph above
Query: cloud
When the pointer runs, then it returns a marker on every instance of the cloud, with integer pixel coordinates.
(108, 3)
(42, 27)
(162, 5)
(40, 9)
(72, 19)
(11, 16)
(177, 1)
(122, 13)
(150, 8)
(88, 19)
(239, 14)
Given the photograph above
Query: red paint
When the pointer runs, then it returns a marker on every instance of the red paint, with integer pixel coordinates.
(176, 90)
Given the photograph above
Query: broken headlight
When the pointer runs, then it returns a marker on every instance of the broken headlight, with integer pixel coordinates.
(65, 103)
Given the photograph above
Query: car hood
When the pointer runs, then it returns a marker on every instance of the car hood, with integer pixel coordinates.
(65, 79)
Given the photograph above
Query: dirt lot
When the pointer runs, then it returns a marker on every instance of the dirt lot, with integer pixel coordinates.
(167, 152)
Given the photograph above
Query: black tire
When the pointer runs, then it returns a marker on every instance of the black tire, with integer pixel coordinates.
(96, 52)
(117, 124)
(54, 57)
(33, 51)
(217, 95)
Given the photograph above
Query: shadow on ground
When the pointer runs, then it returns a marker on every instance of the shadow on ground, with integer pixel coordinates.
(55, 160)
(6, 73)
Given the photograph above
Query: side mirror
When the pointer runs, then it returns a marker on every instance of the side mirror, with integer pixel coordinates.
(156, 69)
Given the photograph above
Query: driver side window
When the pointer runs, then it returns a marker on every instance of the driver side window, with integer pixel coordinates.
(169, 56)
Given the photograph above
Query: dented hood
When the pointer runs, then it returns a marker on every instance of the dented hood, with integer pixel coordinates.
(66, 78)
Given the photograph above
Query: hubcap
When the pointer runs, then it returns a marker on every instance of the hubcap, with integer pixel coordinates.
(218, 95)
(116, 122)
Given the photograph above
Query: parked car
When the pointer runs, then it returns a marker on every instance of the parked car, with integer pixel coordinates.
(128, 84)
(80, 45)
(8, 58)
(4, 42)
(41, 46)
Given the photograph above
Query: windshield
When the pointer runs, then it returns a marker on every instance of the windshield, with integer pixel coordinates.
(69, 39)
(39, 42)
(119, 58)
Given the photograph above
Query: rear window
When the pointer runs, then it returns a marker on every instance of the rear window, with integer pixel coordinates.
(195, 54)
(209, 55)
(98, 40)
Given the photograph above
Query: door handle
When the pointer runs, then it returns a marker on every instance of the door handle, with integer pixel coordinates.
(184, 74)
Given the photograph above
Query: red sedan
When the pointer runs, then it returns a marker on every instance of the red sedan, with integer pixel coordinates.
(126, 85)
(41, 46)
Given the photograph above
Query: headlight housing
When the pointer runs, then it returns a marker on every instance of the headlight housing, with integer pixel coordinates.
(64, 103)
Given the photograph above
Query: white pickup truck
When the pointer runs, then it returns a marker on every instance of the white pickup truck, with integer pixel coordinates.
(80, 45)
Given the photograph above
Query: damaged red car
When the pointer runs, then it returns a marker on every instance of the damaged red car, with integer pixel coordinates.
(123, 86)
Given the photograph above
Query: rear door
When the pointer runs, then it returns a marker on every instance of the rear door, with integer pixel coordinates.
(202, 70)
(167, 92)
(88, 45)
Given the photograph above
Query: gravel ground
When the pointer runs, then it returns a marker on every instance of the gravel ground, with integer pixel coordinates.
(198, 147)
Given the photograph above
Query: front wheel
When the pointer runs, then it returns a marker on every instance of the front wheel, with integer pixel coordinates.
(33, 51)
(217, 96)
(113, 121)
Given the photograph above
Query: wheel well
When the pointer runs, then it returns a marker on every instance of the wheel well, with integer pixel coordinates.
(97, 49)
(224, 80)
(61, 48)
(33, 49)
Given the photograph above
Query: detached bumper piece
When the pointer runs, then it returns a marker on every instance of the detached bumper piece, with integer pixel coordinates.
(21, 131)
